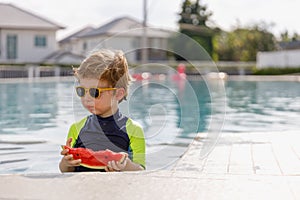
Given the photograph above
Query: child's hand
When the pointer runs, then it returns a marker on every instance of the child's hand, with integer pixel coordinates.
(114, 166)
(67, 161)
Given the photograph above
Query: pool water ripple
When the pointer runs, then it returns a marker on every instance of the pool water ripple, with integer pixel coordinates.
(170, 117)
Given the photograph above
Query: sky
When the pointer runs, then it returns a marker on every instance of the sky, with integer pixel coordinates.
(74, 15)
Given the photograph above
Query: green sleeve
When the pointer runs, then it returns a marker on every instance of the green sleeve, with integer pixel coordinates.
(75, 130)
(137, 142)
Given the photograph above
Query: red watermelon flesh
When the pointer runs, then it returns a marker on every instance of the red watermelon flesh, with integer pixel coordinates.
(95, 159)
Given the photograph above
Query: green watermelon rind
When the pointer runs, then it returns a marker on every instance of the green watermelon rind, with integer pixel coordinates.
(93, 167)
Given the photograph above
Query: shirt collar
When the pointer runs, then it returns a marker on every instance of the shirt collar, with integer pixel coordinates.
(113, 117)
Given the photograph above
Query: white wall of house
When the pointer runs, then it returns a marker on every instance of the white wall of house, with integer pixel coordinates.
(278, 59)
(26, 49)
(125, 44)
(67, 46)
(80, 47)
(69, 60)
(128, 44)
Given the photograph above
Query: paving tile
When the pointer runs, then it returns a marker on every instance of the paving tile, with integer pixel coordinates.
(288, 161)
(264, 160)
(240, 161)
(218, 160)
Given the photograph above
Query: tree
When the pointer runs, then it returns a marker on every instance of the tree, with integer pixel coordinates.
(193, 23)
(242, 44)
(285, 37)
(194, 13)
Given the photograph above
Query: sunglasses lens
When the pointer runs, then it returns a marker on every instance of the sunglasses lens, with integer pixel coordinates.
(94, 92)
(80, 91)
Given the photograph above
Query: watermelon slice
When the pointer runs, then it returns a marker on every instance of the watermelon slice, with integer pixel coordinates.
(95, 159)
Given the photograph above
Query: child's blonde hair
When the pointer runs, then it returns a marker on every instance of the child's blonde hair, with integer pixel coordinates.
(107, 65)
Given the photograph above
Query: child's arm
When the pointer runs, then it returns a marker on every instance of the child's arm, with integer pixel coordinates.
(132, 166)
(67, 163)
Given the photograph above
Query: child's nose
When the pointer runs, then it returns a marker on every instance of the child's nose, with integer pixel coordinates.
(88, 97)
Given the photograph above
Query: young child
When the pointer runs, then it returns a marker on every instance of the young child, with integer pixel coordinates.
(103, 80)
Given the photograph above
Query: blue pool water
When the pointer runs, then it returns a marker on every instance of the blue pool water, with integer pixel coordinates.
(35, 116)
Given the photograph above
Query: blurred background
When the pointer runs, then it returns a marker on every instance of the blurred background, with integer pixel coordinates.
(252, 35)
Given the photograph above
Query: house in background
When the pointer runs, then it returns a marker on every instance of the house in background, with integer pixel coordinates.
(124, 33)
(61, 57)
(288, 56)
(24, 36)
(73, 42)
(295, 44)
(66, 55)
(28, 38)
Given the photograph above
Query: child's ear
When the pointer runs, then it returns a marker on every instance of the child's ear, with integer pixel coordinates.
(120, 93)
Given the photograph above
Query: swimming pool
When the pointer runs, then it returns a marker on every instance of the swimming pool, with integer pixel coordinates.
(35, 116)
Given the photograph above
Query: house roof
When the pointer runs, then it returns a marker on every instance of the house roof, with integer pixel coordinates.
(77, 34)
(16, 18)
(126, 26)
(115, 26)
(290, 45)
(63, 57)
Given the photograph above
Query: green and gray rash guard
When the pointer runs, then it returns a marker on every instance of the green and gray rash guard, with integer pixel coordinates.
(117, 133)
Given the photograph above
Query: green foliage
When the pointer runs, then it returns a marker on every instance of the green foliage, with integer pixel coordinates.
(187, 48)
(285, 37)
(12, 64)
(194, 13)
(242, 44)
(276, 71)
(193, 24)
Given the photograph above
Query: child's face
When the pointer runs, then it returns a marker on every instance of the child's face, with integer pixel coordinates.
(105, 105)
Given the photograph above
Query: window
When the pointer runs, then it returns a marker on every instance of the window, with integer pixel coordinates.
(11, 46)
(84, 46)
(40, 41)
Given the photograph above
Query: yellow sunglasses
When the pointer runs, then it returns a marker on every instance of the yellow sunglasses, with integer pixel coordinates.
(93, 92)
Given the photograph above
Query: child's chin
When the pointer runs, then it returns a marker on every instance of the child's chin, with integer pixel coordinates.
(93, 111)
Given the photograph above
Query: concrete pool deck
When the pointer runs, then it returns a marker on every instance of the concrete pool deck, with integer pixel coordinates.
(241, 166)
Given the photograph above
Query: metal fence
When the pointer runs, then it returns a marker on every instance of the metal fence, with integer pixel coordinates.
(33, 71)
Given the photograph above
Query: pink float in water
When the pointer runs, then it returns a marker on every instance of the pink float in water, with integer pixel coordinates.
(180, 72)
